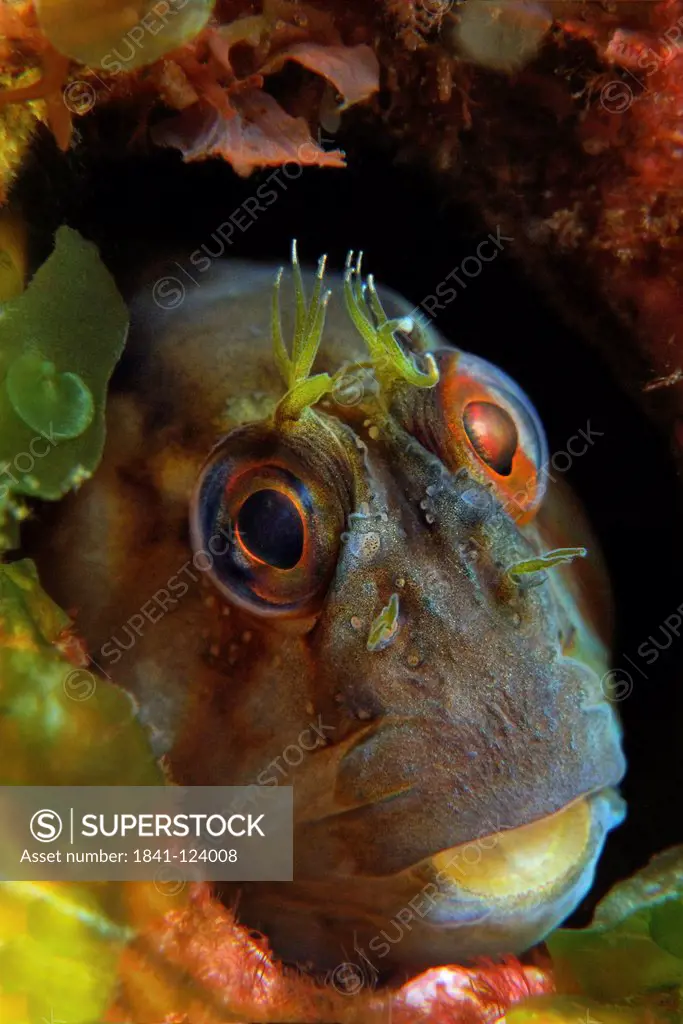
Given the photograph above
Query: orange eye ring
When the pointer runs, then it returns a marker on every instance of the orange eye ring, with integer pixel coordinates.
(281, 522)
(483, 421)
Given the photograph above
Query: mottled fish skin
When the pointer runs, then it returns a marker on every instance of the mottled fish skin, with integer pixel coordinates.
(478, 711)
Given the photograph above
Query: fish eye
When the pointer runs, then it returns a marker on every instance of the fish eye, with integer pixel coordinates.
(493, 435)
(269, 528)
(482, 420)
(268, 525)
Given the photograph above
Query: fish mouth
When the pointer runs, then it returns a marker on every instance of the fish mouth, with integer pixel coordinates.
(492, 896)
(514, 886)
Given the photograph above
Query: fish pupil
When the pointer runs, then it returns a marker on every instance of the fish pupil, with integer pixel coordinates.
(493, 435)
(270, 528)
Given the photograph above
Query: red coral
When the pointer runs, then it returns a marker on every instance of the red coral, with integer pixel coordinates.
(197, 966)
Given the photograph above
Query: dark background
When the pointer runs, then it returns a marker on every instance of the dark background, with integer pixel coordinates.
(414, 228)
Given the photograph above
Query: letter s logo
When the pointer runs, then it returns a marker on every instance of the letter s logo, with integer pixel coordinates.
(46, 826)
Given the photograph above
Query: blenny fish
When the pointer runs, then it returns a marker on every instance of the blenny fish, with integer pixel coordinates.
(354, 581)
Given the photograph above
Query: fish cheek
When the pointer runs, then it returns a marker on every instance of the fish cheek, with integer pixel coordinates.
(251, 701)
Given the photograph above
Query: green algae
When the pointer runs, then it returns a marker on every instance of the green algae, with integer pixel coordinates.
(61, 724)
(634, 945)
(54, 404)
(59, 342)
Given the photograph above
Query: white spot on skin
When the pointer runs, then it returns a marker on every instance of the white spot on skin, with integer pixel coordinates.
(364, 546)
(427, 506)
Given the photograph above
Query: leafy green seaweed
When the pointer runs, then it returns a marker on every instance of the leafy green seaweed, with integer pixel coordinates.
(575, 1010)
(634, 944)
(59, 342)
(56, 404)
(60, 724)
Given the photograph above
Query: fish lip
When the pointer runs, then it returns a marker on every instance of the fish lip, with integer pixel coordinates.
(608, 810)
(608, 795)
